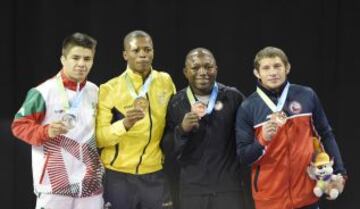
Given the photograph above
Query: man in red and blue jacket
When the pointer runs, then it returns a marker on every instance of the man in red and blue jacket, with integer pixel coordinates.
(275, 127)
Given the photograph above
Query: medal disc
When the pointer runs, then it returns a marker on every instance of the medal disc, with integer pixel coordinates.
(199, 108)
(69, 120)
(141, 103)
(279, 117)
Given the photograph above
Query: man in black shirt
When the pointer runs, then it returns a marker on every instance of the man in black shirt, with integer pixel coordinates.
(200, 134)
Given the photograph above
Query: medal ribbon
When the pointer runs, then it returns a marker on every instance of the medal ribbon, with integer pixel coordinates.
(270, 103)
(143, 90)
(212, 99)
(68, 105)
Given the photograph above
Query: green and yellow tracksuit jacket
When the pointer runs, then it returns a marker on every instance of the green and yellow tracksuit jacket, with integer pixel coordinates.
(137, 150)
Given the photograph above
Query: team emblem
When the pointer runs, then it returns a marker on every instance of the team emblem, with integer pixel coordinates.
(295, 107)
(218, 106)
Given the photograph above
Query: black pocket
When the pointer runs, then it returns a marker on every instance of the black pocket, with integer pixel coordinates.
(116, 115)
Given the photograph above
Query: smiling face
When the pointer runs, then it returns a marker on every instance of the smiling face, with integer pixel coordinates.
(272, 72)
(139, 54)
(323, 170)
(77, 63)
(201, 71)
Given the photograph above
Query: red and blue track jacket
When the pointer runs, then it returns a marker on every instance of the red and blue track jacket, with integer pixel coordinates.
(279, 177)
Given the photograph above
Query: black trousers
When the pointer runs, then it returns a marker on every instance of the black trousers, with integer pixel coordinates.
(224, 200)
(128, 191)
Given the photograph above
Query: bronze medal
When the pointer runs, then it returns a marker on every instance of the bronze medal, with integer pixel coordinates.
(279, 117)
(199, 108)
(69, 120)
(141, 103)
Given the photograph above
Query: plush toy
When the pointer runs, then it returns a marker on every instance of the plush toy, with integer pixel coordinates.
(327, 183)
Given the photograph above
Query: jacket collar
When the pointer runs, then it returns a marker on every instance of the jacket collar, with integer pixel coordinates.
(271, 93)
(70, 84)
(135, 78)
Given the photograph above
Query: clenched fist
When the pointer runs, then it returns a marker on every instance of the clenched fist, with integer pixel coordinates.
(269, 130)
(190, 121)
(56, 128)
(132, 116)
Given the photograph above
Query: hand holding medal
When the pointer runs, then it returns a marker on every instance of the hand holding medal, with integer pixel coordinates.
(141, 103)
(270, 128)
(71, 106)
(69, 120)
(199, 108)
(279, 118)
(190, 121)
(132, 115)
(56, 128)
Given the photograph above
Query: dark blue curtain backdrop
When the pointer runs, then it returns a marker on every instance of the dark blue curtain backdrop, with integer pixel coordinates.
(321, 38)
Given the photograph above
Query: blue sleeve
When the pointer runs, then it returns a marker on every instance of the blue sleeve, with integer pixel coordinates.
(324, 130)
(248, 149)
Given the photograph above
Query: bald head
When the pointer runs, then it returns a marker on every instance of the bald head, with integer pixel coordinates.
(199, 52)
(200, 70)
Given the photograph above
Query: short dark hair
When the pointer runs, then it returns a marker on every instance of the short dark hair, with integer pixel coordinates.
(270, 52)
(135, 34)
(78, 39)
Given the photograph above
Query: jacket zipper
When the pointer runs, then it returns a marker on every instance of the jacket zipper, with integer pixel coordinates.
(116, 154)
(141, 157)
(257, 173)
(290, 168)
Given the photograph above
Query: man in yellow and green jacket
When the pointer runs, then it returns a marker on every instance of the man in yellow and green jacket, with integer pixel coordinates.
(129, 126)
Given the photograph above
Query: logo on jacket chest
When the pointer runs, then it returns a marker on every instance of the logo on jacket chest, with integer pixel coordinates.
(218, 106)
(295, 107)
(162, 97)
(59, 111)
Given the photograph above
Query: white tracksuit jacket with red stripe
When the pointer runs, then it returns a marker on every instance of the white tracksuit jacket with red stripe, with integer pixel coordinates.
(69, 163)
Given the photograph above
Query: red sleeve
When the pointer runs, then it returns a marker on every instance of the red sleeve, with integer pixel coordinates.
(27, 123)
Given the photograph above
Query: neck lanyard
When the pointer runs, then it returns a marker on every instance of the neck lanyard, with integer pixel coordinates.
(212, 99)
(269, 103)
(144, 88)
(68, 105)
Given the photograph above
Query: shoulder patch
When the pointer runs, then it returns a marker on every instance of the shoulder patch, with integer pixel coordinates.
(295, 107)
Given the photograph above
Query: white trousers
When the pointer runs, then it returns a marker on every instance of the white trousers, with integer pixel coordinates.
(51, 201)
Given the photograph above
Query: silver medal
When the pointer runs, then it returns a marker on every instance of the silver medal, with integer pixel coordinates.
(69, 120)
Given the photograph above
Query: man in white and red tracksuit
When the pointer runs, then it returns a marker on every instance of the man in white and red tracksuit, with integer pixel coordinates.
(58, 119)
(275, 127)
